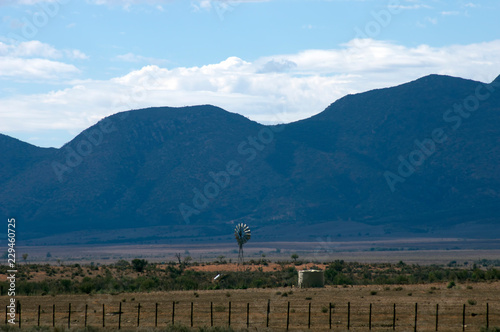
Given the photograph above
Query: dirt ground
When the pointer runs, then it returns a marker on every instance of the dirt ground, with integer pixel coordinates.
(355, 300)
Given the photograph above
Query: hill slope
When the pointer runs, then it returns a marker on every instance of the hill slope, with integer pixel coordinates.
(419, 157)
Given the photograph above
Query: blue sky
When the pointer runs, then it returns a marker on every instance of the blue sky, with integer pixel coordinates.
(65, 64)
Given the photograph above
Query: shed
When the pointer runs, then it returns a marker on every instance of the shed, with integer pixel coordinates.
(311, 278)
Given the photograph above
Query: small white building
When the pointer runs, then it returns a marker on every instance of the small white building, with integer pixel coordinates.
(311, 278)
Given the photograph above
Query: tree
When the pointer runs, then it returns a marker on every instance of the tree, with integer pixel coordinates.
(25, 258)
(139, 264)
(294, 257)
(179, 257)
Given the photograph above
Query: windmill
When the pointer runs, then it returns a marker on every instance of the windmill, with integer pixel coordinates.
(242, 235)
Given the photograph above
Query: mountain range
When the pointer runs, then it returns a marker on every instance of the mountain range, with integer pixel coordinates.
(421, 158)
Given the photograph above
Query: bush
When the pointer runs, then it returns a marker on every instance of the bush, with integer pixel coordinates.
(139, 264)
(451, 284)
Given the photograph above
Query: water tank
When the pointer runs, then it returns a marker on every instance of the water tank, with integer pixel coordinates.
(311, 278)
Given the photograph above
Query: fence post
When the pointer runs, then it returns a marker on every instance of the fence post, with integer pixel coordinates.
(53, 315)
(309, 318)
(394, 317)
(348, 314)
(416, 314)
(248, 314)
(211, 314)
(86, 308)
(463, 318)
(138, 315)
(173, 312)
(38, 315)
(120, 317)
(437, 315)
(370, 318)
(288, 316)
(229, 315)
(69, 316)
(191, 314)
(156, 315)
(330, 316)
(103, 314)
(19, 311)
(487, 316)
(268, 311)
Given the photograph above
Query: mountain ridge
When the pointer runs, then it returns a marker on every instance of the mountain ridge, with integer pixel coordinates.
(155, 166)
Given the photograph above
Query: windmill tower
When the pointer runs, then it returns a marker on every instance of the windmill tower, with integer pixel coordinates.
(242, 235)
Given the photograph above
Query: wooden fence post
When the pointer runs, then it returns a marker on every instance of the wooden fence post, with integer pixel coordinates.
(370, 318)
(268, 311)
(53, 315)
(348, 314)
(211, 314)
(309, 317)
(86, 308)
(330, 316)
(437, 315)
(229, 315)
(138, 315)
(103, 314)
(69, 316)
(394, 317)
(487, 316)
(173, 312)
(416, 314)
(463, 318)
(19, 312)
(156, 315)
(288, 316)
(38, 324)
(191, 314)
(120, 317)
(248, 314)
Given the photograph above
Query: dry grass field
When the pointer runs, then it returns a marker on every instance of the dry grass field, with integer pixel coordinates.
(382, 299)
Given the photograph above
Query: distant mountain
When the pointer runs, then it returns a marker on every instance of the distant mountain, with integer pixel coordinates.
(422, 157)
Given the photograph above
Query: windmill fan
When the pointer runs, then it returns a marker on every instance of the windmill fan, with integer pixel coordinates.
(242, 235)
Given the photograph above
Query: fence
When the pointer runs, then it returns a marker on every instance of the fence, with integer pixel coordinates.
(277, 315)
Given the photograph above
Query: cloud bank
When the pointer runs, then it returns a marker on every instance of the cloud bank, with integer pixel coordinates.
(278, 88)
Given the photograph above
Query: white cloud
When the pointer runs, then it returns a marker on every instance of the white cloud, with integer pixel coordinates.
(409, 7)
(131, 57)
(450, 13)
(34, 69)
(472, 5)
(278, 88)
(34, 60)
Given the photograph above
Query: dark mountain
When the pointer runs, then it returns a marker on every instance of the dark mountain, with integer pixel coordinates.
(420, 157)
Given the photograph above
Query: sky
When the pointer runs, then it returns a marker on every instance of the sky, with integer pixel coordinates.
(66, 64)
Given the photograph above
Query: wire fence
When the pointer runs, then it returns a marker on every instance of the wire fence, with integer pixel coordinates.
(279, 315)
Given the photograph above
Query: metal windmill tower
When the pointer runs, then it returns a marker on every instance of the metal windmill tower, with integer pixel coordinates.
(242, 235)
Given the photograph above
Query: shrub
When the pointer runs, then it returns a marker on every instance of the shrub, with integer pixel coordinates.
(139, 264)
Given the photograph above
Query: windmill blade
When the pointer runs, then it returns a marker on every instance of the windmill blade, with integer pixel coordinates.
(242, 233)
